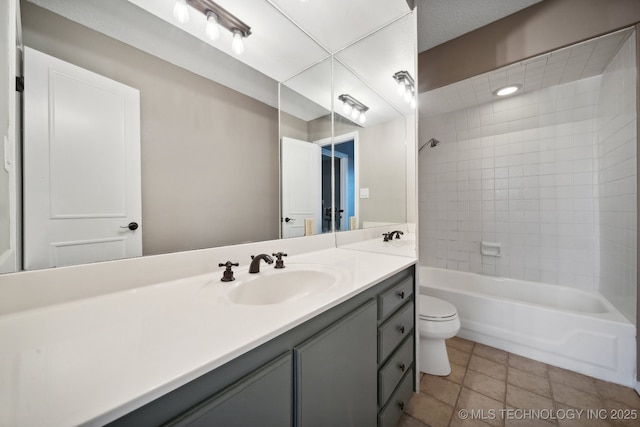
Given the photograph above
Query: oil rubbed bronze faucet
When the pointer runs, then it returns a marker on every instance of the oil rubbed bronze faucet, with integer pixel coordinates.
(279, 260)
(389, 236)
(254, 267)
(397, 233)
(227, 276)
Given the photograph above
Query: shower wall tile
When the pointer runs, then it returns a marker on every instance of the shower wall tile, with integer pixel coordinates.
(616, 149)
(520, 171)
(551, 175)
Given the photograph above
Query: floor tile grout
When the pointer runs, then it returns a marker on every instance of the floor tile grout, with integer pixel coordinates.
(515, 397)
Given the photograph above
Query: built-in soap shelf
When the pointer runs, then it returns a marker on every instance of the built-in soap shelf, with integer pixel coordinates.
(491, 248)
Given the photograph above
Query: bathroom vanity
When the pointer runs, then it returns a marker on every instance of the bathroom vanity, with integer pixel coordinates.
(340, 368)
(181, 352)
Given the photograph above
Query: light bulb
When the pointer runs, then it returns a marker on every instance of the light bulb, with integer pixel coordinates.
(401, 88)
(355, 114)
(363, 118)
(407, 95)
(212, 29)
(508, 90)
(413, 102)
(346, 108)
(180, 11)
(236, 45)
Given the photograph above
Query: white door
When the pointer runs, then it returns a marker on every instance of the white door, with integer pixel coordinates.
(301, 187)
(81, 165)
(9, 137)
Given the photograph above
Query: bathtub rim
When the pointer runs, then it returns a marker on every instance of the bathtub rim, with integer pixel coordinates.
(612, 314)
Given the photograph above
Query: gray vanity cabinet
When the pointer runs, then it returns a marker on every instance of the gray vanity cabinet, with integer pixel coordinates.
(335, 373)
(396, 350)
(351, 366)
(262, 398)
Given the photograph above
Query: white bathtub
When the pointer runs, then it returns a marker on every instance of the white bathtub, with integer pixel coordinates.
(558, 325)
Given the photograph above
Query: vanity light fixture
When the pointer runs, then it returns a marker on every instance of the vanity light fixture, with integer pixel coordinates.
(217, 17)
(181, 12)
(507, 90)
(406, 87)
(353, 108)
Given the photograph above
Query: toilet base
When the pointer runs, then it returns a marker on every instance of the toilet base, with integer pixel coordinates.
(433, 358)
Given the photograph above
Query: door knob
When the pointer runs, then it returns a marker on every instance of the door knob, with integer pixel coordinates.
(287, 219)
(131, 226)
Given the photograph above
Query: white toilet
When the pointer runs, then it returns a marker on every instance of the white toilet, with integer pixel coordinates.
(438, 321)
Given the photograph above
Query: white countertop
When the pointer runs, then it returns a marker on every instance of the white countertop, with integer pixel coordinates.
(93, 360)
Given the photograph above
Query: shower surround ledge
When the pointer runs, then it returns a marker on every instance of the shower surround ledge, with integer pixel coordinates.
(91, 359)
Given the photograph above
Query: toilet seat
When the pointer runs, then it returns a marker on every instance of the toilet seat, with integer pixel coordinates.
(436, 310)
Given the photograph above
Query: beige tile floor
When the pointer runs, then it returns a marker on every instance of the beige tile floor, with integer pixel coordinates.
(490, 387)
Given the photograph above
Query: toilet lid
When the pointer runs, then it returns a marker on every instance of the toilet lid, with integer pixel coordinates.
(435, 308)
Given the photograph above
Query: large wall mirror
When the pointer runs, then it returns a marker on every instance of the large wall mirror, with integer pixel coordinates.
(210, 123)
(356, 157)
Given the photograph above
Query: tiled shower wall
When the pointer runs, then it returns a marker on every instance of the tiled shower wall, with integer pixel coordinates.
(520, 172)
(523, 172)
(617, 128)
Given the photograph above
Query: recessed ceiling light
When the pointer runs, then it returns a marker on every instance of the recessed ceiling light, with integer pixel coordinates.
(507, 90)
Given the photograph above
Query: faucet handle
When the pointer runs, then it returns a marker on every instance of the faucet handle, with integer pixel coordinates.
(227, 276)
(279, 260)
(386, 237)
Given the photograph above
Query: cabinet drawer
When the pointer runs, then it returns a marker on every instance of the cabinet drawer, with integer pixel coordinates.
(391, 413)
(391, 373)
(393, 331)
(390, 300)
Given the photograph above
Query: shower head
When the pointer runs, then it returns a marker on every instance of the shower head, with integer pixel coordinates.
(432, 143)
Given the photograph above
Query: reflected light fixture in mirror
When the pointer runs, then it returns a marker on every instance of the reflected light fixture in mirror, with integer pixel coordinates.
(353, 108)
(406, 87)
(212, 29)
(217, 17)
(181, 12)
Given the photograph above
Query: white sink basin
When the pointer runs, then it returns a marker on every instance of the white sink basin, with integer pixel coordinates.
(274, 286)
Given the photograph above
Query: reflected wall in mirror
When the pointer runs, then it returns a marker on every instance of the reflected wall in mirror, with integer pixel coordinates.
(209, 138)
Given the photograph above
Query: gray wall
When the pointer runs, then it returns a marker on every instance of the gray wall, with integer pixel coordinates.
(383, 170)
(293, 127)
(541, 28)
(209, 154)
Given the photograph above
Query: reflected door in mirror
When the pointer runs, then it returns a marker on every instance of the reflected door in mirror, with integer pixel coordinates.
(301, 188)
(81, 165)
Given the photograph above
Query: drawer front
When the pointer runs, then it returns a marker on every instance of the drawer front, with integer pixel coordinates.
(391, 413)
(394, 331)
(391, 373)
(390, 300)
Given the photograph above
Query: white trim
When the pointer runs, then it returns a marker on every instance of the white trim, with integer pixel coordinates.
(637, 387)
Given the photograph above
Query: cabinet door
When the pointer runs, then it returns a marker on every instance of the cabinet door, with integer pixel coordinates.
(335, 373)
(262, 398)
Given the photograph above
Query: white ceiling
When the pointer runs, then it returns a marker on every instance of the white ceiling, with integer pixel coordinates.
(443, 20)
(290, 41)
(580, 61)
(299, 35)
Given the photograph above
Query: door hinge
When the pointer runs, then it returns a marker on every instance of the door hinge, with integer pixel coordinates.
(20, 84)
